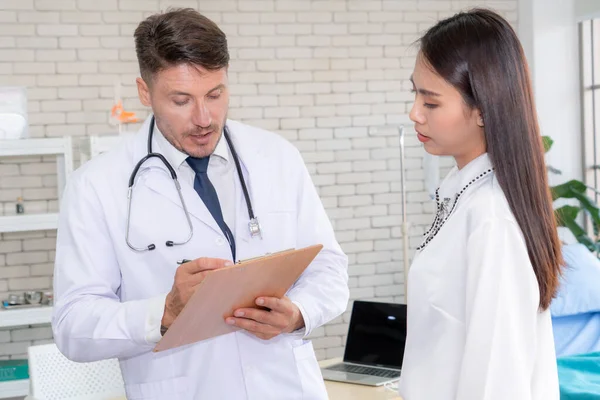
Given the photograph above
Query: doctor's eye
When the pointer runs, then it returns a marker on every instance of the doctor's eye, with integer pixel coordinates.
(181, 103)
(214, 95)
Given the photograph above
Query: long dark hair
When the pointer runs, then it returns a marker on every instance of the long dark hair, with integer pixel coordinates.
(479, 53)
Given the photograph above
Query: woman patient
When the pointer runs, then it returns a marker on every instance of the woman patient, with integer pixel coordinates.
(480, 285)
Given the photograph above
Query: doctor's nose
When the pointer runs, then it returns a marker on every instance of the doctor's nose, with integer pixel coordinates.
(202, 116)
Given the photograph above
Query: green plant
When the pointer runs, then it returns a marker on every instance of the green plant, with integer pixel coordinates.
(567, 215)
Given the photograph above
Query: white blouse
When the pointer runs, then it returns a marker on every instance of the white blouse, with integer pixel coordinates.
(475, 330)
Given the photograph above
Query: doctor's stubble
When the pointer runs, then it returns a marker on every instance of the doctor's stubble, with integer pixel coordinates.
(183, 59)
(195, 127)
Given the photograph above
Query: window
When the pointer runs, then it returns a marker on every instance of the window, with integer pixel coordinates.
(590, 77)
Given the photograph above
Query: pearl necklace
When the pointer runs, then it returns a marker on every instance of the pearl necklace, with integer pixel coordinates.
(442, 214)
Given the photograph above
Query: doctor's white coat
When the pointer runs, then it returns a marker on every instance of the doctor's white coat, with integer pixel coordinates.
(103, 288)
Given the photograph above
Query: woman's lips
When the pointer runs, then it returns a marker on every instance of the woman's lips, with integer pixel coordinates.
(422, 138)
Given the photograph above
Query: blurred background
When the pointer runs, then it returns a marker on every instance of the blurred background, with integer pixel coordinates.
(331, 76)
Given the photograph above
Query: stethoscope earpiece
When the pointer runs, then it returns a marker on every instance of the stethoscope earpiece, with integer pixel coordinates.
(169, 243)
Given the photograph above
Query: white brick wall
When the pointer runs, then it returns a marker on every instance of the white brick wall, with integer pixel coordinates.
(321, 73)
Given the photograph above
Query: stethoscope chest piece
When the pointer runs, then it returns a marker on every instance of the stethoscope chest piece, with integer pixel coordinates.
(254, 227)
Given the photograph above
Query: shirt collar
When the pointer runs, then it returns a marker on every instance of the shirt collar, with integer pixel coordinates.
(457, 179)
(222, 149)
(176, 158)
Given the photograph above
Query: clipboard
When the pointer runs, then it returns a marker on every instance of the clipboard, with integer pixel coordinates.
(225, 290)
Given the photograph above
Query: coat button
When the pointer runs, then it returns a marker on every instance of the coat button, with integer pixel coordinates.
(220, 241)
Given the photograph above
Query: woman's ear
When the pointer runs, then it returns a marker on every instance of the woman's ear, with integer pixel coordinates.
(479, 119)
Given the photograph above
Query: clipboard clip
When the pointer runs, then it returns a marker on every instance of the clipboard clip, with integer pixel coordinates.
(265, 255)
(179, 262)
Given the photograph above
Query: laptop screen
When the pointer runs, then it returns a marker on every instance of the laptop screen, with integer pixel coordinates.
(377, 334)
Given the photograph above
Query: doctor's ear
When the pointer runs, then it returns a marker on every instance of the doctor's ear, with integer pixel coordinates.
(143, 92)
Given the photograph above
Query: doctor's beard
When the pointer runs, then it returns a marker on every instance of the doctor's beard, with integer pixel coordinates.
(198, 142)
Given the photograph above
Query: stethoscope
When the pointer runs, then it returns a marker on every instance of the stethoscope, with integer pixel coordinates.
(253, 224)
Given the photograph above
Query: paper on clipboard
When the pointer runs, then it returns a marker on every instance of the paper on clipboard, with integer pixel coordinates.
(227, 289)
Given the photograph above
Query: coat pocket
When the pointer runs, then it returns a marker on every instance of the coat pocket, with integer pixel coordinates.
(173, 389)
(313, 386)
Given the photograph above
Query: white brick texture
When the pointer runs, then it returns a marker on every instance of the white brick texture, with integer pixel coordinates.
(322, 73)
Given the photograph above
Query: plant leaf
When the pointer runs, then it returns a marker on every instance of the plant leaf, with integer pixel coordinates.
(548, 142)
(566, 217)
(566, 214)
(591, 209)
(581, 236)
(575, 189)
(568, 190)
(554, 170)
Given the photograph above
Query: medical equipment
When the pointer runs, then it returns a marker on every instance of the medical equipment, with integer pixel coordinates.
(20, 206)
(13, 113)
(405, 223)
(253, 224)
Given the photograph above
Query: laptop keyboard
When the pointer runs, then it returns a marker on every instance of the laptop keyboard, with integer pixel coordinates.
(357, 369)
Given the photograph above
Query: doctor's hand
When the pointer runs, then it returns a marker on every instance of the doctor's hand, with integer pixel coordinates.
(187, 277)
(281, 316)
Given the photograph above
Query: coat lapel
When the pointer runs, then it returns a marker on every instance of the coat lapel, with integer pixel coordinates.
(154, 175)
(255, 170)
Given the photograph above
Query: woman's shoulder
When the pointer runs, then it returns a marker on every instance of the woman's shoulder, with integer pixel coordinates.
(488, 202)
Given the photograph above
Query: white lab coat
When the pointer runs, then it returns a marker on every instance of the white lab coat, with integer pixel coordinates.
(474, 328)
(103, 289)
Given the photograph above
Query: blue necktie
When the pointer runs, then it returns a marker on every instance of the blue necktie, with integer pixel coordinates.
(208, 194)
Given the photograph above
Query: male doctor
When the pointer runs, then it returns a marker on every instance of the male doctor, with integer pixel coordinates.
(118, 286)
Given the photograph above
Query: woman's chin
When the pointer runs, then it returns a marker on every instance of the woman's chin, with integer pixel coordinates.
(433, 149)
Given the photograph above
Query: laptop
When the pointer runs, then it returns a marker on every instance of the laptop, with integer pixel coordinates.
(375, 345)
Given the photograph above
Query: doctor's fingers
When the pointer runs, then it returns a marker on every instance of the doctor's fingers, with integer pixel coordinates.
(186, 282)
(264, 331)
(272, 318)
(283, 305)
(204, 264)
(194, 280)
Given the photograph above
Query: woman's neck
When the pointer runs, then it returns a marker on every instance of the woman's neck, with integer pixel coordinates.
(464, 159)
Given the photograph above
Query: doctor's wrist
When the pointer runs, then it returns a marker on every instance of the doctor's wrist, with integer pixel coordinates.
(166, 320)
(300, 322)
(297, 322)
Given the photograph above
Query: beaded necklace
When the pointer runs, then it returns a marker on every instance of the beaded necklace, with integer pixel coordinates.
(442, 214)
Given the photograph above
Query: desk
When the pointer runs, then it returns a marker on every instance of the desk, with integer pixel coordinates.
(348, 391)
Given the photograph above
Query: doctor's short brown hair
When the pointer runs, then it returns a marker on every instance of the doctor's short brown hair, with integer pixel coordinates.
(179, 36)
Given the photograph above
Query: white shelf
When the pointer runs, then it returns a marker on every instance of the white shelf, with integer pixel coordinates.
(25, 316)
(9, 319)
(17, 388)
(33, 147)
(28, 222)
(62, 148)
